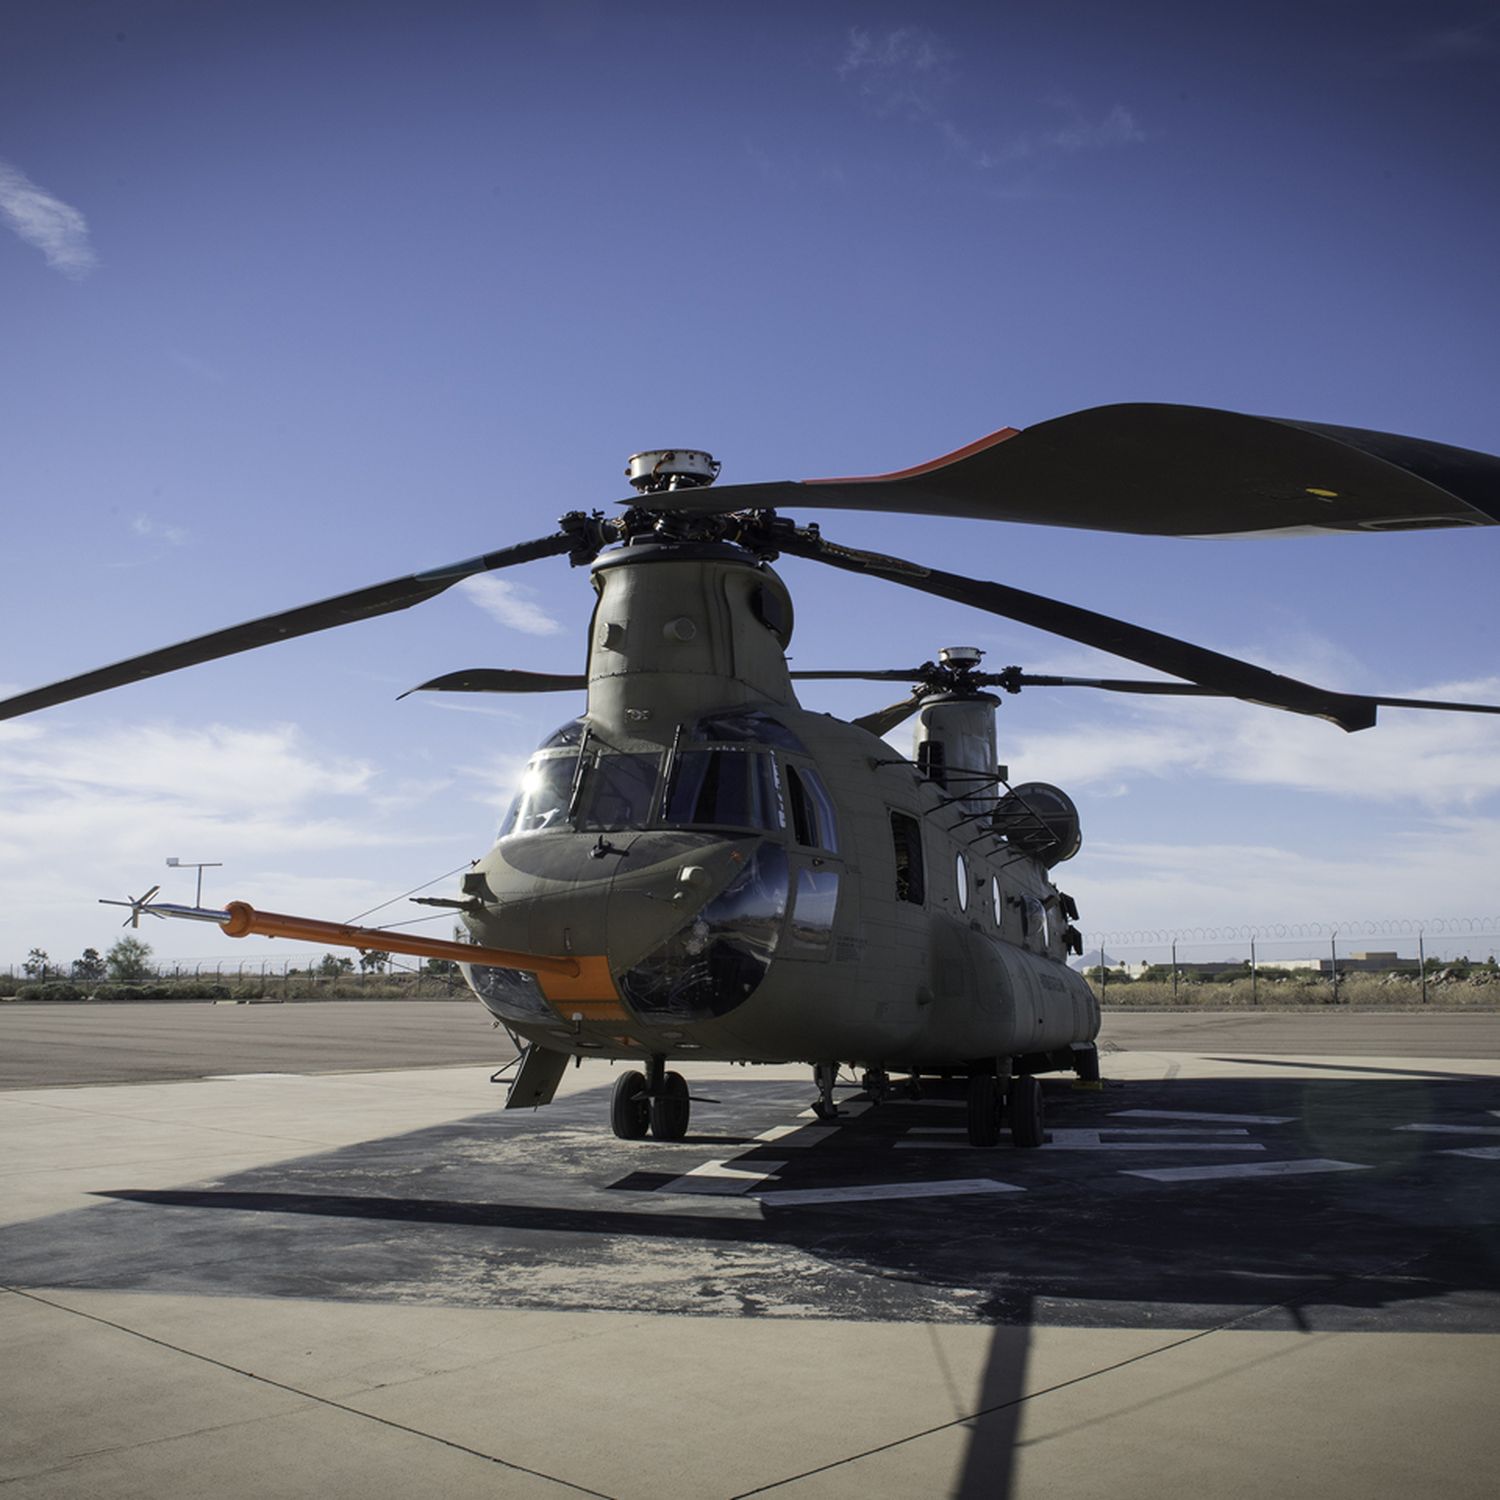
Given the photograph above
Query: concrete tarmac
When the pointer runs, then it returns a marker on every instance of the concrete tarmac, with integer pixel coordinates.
(69, 1044)
(1233, 1271)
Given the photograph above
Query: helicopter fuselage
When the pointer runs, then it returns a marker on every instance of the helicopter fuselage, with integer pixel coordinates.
(742, 879)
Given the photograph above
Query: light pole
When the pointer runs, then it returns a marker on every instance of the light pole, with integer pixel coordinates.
(200, 865)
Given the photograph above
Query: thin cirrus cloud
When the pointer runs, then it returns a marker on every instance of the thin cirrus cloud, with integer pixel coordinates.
(512, 604)
(910, 72)
(46, 223)
(144, 525)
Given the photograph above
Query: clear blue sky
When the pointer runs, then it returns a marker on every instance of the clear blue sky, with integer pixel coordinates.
(299, 297)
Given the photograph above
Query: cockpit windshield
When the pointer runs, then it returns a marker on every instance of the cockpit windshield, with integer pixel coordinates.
(575, 782)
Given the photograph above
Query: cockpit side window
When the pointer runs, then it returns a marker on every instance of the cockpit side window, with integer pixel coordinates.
(813, 822)
(542, 802)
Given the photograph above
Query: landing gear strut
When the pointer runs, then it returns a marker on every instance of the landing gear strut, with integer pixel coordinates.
(824, 1075)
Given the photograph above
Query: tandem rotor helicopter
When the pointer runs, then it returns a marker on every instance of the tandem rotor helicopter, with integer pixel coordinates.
(698, 867)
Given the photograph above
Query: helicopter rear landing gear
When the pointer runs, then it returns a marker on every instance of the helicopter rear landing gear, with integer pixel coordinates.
(985, 1108)
(877, 1084)
(824, 1075)
(1024, 1107)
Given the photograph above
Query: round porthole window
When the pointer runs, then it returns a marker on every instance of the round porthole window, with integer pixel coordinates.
(961, 876)
(996, 900)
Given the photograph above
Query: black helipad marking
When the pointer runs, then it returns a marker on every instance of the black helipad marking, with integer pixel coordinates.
(547, 1209)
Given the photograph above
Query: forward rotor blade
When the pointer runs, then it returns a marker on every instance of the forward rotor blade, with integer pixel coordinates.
(1162, 470)
(894, 674)
(1192, 690)
(342, 609)
(1164, 653)
(882, 721)
(500, 680)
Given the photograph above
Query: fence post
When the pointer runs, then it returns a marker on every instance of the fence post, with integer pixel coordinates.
(1174, 971)
(1333, 948)
(1422, 961)
(1254, 976)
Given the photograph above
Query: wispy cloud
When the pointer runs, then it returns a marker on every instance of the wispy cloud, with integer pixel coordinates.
(1455, 43)
(55, 228)
(909, 72)
(144, 525)
(1432, 760)
(94, 814)
(512, 604)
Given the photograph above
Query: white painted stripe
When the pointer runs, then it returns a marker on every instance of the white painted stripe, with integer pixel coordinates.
(790, 1197)
(1161, 1130)
(235, 1077)
(1195, 1114)
(1248, 1169)
(798, 1135)
(1479, 1153)
(1453, 1129)
(1095, 1145)
(721, 1177)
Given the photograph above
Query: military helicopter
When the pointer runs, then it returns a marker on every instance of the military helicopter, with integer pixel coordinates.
(697, 867)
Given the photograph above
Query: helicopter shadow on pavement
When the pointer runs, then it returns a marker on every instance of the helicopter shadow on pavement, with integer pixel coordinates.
(1385, 1220)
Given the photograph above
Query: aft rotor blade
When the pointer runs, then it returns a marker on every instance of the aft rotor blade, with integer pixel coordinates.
(1163, 653)
(882, 721)
(1193, 690)
(501, 680)
(341, 609)
(1162, 470)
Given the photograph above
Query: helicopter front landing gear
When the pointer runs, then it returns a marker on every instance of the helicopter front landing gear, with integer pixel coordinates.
(824, 1075)
(655, 1100)
(630, 1106)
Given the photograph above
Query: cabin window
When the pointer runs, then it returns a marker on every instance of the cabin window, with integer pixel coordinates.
(814, 908)
(542, 802)
(619, 791)
(1037, 924)
(813, 822)
(961, 881)
(997, 901)
(724, 789)
(906, 835)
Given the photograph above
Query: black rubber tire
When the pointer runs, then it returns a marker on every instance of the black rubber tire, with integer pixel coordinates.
(629, 1108)
(1086, 1063)
(670, 1109)
(984, 1109)
(1027, 1126)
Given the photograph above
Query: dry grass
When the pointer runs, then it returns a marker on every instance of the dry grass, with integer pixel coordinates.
(1358, 991)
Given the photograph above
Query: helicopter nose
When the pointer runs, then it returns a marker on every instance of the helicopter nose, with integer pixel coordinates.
(715, 954)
